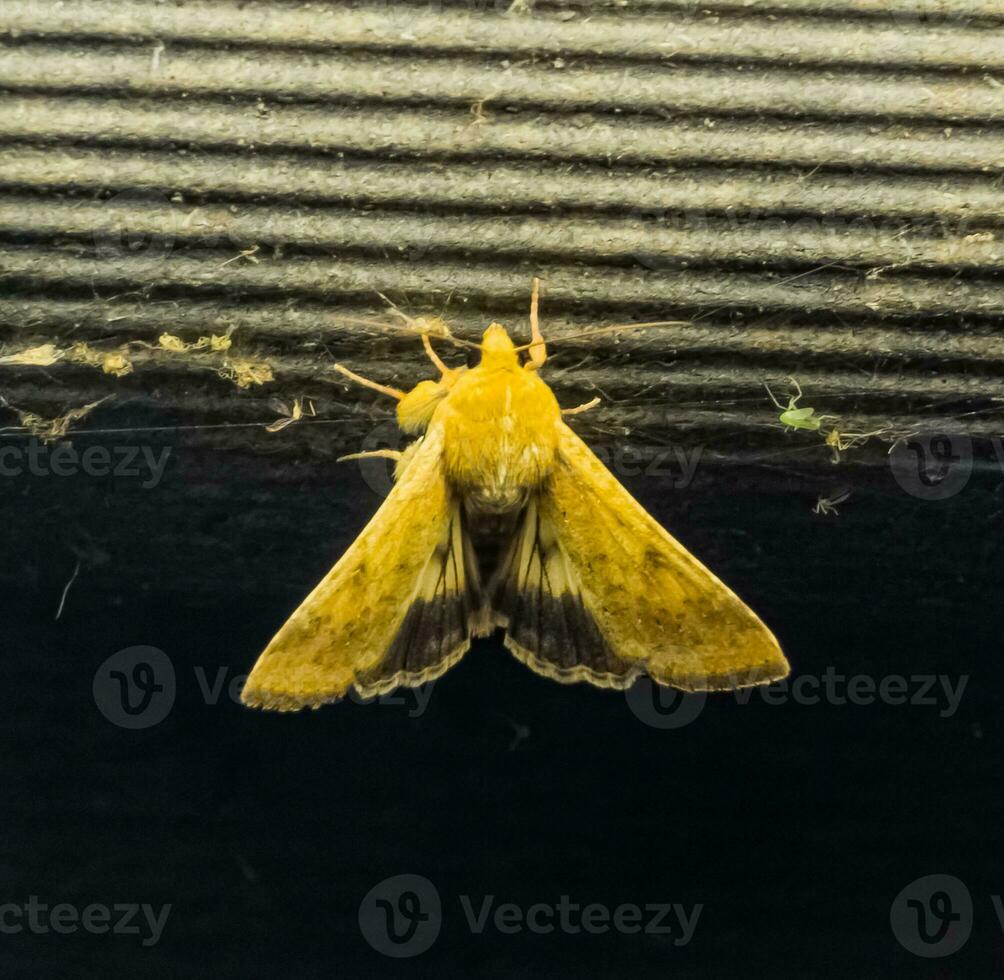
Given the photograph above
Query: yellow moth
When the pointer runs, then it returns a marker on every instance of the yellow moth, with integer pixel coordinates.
(501, 517)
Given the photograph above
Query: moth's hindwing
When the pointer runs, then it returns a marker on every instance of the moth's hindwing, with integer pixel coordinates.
(597, 590)
(538, 600)
(394, 610)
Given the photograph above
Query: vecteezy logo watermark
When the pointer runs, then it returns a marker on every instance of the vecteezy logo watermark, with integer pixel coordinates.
(402, 916)
(64, 459)
(121, 919)
(932, 467)
(377, 471)
(129, 229)
(933, 916)
(136, 688)
(662, 707)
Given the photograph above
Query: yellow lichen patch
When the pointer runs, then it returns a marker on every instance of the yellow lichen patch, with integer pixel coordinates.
(176, 345)
(244, 372)
(216, 342)
(116, 363)
(42, 356)
(49, 430)
(81, 353)
(111, 362)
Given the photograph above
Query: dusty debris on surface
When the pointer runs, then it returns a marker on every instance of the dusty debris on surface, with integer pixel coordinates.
(44, 355)
(213, 343)
(51, 430)
(839, 442)
(115, 362)
(66, 589)
(290, 413)
(245, 373)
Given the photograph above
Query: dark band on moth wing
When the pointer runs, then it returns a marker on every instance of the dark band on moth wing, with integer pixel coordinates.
(433, 636)
(549, 628)
(435, 632)
(557, 636)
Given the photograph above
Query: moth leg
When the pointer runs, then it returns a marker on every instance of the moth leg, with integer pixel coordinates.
(394, 454)
(366, 383)
(538, 349)
(433, 356)
(579, 409)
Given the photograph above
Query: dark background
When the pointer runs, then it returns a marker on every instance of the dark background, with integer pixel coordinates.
(805, 187)
(795, 825)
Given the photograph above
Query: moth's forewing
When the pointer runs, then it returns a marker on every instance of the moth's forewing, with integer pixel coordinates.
(655, 607)
(393, 611)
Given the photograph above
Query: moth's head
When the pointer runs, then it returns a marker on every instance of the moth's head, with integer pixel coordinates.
(497, 348)
(415, 410)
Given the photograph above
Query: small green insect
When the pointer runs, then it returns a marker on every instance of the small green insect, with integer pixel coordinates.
(797, 418)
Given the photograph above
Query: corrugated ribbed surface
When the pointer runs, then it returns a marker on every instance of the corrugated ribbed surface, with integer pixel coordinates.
(816, 188)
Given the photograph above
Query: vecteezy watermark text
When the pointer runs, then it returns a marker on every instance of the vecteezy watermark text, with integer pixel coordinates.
(63, 459)
(541, 918)
(402, 916)
(664, 707)
(136, 688)
(120, 919)
(677, 463)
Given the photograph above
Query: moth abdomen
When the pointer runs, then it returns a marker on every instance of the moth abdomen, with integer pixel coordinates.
(489, 533)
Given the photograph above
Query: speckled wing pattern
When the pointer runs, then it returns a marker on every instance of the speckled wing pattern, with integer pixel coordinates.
(395, 610)
(595, 589)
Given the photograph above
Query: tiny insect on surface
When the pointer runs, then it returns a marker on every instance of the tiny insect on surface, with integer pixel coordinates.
(794, 417)
(502, 518)
(828, 505)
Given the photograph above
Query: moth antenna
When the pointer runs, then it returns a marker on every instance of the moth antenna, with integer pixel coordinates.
(613, 328)
(536, 349)
(394, 308)
(677, 323)
(393, 305)
(373, 325)
(366, 383)
(579, 409)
